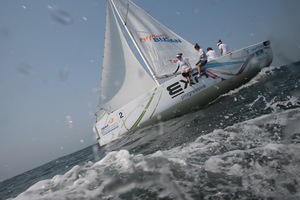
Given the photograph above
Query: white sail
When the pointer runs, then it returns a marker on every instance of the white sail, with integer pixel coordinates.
(157, 44)
(122, 78)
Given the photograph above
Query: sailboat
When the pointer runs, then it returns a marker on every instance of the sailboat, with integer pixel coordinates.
(131, 97)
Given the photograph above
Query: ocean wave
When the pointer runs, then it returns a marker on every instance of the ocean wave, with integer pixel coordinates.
(252, 159)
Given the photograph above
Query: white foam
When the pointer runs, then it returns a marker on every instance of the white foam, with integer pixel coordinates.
(244, 151)
(263, 73)
(280, 118)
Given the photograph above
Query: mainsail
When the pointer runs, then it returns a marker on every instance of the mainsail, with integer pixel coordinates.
(122, 78)
(157, 44)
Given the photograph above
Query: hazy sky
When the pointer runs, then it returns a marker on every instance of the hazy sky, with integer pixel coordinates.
(51, 58)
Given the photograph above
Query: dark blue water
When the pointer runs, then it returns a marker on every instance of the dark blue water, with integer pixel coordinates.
(244, 145)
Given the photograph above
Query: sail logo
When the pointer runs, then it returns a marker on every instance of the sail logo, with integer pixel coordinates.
(159, 38)
(111, 120)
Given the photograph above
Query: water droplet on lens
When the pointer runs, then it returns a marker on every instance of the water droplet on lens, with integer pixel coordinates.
(96, 89)
(61, 16)
(196, 10)
(96, 152)
(25, 69)
(69, 121)
(103, 96)
(63, 74)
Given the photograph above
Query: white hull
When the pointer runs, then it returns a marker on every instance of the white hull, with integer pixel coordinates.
(175, 97)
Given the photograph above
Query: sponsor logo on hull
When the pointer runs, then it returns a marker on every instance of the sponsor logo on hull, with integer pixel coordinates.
(179, 87)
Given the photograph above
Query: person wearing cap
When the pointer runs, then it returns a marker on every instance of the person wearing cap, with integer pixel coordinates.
(211, 54)
(223, 48)
(202, 60)
(185, 67)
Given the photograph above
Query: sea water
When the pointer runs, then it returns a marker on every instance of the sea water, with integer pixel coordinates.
(244, 145)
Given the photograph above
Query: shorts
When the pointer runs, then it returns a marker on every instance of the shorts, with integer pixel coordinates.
(187, 68)
(203, 62)
(186, 74)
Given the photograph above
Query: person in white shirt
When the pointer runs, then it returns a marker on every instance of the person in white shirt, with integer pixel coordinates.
(223, 48)
(202, 60)
(185, 67)
(211, 54)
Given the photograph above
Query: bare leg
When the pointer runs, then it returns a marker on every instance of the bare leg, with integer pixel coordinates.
(199, 70)
(189, 79)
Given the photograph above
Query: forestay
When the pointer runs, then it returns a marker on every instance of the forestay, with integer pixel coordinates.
(157, 44)
(122, 78)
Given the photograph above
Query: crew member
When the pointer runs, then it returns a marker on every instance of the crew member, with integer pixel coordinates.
(211, 54)
(185, 67)
(202, 60)
(223, 48)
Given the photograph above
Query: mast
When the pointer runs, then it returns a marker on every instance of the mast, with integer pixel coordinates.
(134, 42)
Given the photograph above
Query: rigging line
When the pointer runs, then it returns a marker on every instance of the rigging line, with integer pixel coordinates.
(126, 15)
